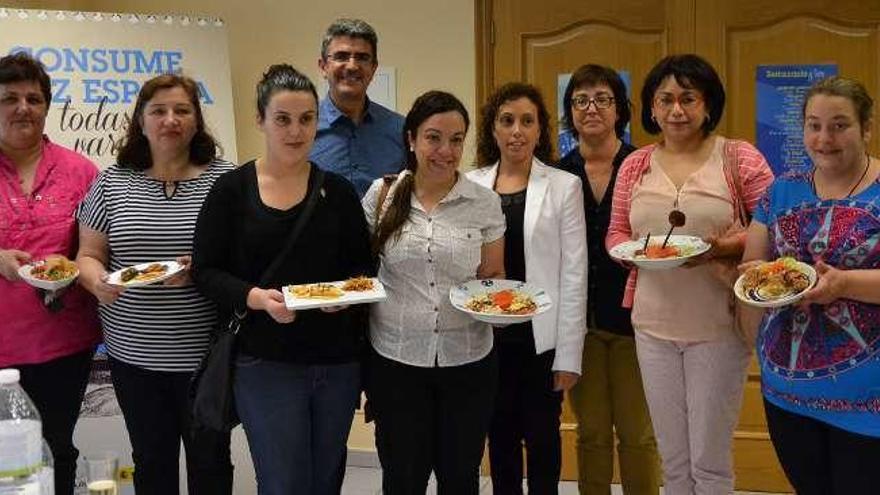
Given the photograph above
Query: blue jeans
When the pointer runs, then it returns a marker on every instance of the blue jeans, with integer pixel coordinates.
(297, 419)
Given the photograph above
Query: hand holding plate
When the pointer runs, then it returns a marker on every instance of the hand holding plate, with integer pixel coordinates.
(105, 292)
(183, 276)
(10, 261)
(830, 286)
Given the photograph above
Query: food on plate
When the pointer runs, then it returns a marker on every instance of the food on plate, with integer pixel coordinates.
(316, 291)
(54, 268)
(507, 302)
(150, 272)
(358, 284)
(658, 251)
(774, 280)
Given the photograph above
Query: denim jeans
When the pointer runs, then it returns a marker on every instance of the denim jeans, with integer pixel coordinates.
(297, 419)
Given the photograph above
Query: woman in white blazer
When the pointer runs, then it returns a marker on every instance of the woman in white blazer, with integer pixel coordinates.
(544, 245)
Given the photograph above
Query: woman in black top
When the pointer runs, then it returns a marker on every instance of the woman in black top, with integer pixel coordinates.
(609, 398)
(297, 378)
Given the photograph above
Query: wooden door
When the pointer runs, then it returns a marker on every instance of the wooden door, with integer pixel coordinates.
(531, 41)
(525, 40)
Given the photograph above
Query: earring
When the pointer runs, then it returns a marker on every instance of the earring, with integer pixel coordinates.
(411, 149)
(654, 118)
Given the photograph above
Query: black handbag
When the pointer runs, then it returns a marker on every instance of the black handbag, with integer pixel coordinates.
(211, 395)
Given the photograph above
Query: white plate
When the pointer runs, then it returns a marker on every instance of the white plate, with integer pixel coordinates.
(24, 272)
(173, 268)
(460, 294)
(776, 303)
(347, 298)
(625, 251)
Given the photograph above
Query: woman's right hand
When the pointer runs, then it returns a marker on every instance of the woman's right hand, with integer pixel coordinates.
(272, 302)
(104, 292)
(10, 261)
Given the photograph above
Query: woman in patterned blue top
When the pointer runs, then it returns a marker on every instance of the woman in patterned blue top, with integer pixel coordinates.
(819, 360)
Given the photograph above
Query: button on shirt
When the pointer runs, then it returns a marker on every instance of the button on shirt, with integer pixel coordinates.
(417, 325)
(43, 223)
(360, 153)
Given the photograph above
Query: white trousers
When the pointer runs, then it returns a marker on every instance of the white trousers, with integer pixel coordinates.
(694, 392)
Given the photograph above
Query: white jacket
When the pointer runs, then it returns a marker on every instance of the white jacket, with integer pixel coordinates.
(556, 258)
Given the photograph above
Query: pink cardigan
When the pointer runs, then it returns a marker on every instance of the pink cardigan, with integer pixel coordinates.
(755, 176)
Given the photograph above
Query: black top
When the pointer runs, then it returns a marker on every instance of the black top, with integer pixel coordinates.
(514, 207)
(607, 279)
(237, 237)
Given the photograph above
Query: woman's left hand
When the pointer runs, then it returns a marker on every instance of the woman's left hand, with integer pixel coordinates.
(182, 277)
(564, 380)
(831, 285)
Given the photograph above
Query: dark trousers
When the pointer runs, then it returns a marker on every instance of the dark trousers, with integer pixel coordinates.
(156, 409)
(819, 459)
(431, 419)
(57, 388)
(526, 411)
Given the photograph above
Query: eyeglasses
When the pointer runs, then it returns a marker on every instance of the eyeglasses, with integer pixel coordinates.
(583, 102)
(686, 101)
(360, 58)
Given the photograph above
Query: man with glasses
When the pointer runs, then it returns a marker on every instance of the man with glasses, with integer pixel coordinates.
(357, 138)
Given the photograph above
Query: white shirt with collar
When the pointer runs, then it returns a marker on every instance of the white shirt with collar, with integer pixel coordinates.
(417, 324)
(555, 233)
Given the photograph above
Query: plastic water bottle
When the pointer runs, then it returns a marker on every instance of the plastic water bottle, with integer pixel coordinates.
(47, 472)
(21, 439)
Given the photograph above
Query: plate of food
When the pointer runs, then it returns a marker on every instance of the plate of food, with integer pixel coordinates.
(356, 290)
(145, 273)
(774, 284)
(53, 273)
(500, 302)
(677, 251)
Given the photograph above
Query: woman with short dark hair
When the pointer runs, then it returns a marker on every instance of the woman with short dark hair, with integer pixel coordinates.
(692, 361)
(609, 402)
(41, 184)
(143, 209)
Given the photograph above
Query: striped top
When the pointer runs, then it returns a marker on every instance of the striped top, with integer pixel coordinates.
(755, 176)
(156, 327)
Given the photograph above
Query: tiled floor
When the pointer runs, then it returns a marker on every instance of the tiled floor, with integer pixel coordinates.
(368, 481)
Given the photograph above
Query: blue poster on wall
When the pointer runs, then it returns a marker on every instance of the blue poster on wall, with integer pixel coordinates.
(566, 140)
(779, 98)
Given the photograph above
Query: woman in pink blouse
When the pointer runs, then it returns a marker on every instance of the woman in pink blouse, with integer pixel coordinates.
(692, 361)
(41, 185)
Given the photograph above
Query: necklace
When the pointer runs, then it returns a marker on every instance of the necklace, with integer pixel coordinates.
(854, 187)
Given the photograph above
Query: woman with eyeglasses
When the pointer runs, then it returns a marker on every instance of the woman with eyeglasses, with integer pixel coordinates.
(610, 397)
(691, 357)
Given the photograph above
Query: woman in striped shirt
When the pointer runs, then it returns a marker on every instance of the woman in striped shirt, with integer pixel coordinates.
(692, 361)
(144, 209)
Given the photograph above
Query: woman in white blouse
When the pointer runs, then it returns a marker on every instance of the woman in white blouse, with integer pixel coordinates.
(433, 374)
(544, 245)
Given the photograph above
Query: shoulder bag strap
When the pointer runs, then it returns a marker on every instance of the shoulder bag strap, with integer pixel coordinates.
(387, 180)
(731, 166)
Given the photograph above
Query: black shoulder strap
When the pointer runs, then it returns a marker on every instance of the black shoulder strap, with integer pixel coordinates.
(305, 214)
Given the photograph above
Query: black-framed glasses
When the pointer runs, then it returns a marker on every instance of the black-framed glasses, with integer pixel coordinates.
(360, 58)
(583, 102)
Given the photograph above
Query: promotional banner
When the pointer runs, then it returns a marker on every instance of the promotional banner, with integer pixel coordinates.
(779, 99)
(98, 62)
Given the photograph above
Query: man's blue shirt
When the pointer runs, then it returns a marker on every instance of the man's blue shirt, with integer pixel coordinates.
(360, 153)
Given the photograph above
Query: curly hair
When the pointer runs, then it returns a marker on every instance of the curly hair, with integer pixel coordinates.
(134, 153)
(487, 148)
